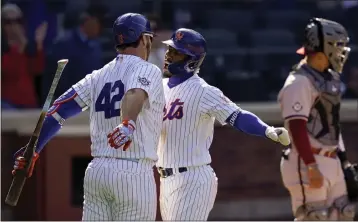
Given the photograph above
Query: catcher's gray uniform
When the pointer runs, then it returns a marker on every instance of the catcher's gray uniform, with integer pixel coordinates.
(316, 97)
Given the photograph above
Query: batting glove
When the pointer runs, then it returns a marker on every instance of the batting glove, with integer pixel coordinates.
(279, 134)
(122, 135)
(21, 163)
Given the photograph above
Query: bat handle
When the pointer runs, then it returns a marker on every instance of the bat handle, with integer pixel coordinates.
(16, 187)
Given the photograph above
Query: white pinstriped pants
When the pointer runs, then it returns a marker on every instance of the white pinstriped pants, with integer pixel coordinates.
(116, 189)
(189, 195)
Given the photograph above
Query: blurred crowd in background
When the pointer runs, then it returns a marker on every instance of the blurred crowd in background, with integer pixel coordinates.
(251, 43)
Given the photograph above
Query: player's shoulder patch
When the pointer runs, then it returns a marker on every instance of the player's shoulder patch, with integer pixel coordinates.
(155, 73)
(143, 81)
(297, 106)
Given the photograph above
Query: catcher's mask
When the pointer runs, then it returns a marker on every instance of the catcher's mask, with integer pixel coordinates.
(329, 37)
(190, 43)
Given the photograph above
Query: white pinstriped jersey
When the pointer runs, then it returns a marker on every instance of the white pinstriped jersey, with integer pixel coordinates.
(188, 123)
(103, 90)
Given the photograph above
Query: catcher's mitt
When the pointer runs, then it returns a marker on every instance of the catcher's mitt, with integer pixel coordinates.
(351, 177)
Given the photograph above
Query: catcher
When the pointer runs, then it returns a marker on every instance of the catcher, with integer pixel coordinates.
(310, 104)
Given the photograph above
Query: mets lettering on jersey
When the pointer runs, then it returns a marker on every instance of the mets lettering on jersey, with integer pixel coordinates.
(193, 107)
(175, 110)
(188, 127)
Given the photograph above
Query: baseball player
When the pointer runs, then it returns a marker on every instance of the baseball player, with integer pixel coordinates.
(310, 105)
(188, 184)
(125, 95)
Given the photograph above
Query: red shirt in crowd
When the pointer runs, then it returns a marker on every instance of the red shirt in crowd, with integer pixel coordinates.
(18, 71)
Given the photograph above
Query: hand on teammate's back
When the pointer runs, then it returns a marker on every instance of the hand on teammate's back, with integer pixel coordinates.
(21, 163)
(122, 135)
(315, 176)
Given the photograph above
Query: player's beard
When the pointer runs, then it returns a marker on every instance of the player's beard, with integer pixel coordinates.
(166, 73)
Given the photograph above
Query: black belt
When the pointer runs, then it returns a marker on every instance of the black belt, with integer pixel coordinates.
(167, 172)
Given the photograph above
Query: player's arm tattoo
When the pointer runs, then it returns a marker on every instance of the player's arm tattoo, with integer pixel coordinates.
(67, 105)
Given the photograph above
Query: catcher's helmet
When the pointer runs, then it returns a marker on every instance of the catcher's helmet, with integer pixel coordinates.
(129, 27)
(329, 37)
(191, 43)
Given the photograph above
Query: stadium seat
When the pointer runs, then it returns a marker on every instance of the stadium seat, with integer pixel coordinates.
(291, 19)
(272, 38)
(243, 86)
(283, 60)
(236, 62)
(108, 55)
(120, 7)
(212, 65)
(106, 42)
(219, 38)
(258, 62)
(237, 20)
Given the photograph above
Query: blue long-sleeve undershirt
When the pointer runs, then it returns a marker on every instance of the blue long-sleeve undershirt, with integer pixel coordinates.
(242, 120)
(65, 107)
(247, 122)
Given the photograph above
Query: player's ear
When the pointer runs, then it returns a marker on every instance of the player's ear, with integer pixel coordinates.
(146, 40)
(142, 39)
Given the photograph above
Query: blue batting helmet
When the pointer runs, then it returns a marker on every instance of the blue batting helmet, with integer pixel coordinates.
(191, 43)
(129, 27)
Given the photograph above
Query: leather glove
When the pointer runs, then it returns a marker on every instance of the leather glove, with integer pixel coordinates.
(21, 163)
(122, 135)
(279, 134)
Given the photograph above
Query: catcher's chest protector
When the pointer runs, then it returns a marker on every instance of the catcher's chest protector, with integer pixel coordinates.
(323, 121)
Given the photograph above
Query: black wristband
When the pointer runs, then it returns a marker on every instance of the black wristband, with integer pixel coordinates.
(342, 155)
